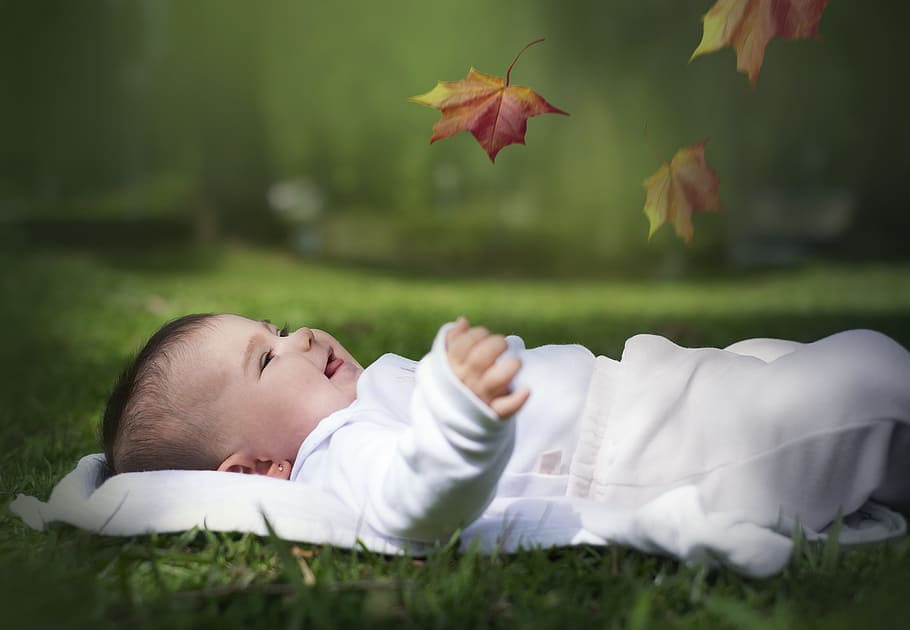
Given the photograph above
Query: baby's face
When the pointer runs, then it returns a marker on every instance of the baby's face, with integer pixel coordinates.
(274, 386)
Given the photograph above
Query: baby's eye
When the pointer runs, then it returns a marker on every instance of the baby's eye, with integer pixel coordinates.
(266, 359)
(284, 331)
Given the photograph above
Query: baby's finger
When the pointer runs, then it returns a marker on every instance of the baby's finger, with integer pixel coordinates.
(496, 380)
(485, 352)
(460, 325)
(508, 405)
(463, 342)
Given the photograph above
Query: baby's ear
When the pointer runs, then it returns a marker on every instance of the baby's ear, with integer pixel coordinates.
(249, 465)
(238, 463)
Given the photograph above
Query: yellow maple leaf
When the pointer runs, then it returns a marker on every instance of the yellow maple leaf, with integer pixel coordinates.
(684, 185)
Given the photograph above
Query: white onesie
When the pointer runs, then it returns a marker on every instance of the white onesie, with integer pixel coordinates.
(419, 455)
(768, 431)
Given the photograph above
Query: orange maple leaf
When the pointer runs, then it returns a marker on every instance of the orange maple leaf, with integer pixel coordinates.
(686, 185)
(748, 26)
(494, 111)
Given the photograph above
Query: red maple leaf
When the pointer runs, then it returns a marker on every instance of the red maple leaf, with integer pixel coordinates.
(494, 111)
(748, 26)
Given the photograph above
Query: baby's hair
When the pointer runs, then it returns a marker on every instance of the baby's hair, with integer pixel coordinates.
(147, 425)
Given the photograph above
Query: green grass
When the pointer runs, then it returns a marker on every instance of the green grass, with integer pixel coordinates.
(71, 318)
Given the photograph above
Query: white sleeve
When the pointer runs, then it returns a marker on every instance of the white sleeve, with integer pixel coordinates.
(436, 475)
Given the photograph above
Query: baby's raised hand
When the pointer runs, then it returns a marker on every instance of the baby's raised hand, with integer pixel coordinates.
(473, 353)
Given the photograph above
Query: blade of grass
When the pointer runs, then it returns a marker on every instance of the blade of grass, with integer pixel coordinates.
(289, 565)
(831, 553)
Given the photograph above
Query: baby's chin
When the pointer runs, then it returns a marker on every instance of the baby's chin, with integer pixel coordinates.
(346, 377)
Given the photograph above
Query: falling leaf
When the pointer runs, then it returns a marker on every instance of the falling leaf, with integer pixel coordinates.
(489, 107)
(686, 185)
(748, 26)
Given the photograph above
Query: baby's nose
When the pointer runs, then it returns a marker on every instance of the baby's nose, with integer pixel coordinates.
(306, 337)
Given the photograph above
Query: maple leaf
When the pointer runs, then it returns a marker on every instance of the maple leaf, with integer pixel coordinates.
(748, 26)
(494, 111)
(686, 185)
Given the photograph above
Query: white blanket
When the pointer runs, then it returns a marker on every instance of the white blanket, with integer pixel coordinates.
(167, 501)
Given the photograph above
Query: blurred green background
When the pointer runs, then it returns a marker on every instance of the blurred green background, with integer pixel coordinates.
(160, 122)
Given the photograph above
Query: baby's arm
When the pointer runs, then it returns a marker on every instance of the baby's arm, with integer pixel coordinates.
(473, 354)
(441, 472)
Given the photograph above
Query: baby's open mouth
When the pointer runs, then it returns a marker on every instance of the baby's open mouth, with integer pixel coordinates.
(332, 364)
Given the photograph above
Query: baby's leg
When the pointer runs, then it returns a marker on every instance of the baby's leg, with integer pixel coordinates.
(895, 487)
(835, 413)
(852, 377)
(765, 349)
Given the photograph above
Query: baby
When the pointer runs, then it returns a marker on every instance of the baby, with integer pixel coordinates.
(774, 430)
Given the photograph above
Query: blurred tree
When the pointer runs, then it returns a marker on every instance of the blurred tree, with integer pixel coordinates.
(104, 96)
(64, 114)
(208, 118)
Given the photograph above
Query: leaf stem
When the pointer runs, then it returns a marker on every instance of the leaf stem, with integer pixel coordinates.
(526, 46)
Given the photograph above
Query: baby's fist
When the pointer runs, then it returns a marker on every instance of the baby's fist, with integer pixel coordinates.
(473, 353)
